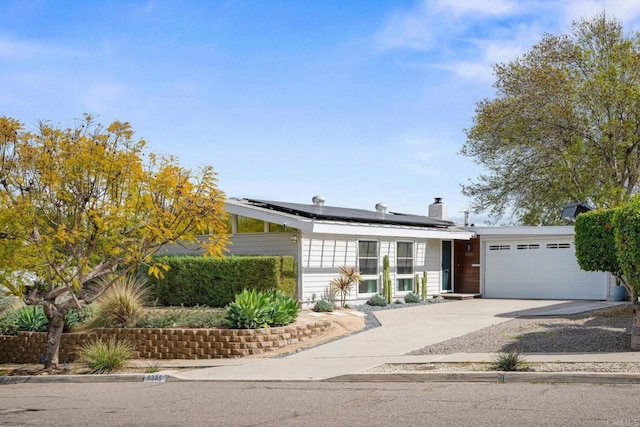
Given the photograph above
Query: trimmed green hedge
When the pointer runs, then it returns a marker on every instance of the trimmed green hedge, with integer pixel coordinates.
(595, 242)
(197, 280)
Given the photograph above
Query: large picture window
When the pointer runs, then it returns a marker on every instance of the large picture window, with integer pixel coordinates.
(404, 267)
(368, 266)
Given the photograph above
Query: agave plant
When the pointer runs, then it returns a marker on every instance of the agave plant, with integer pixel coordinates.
(343, 283)
(32, 319)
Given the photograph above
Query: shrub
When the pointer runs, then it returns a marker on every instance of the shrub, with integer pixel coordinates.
(185, 318)
(106, 355)
(122, 302)
(377, 301)
(323, 305)
(196, 280)
(411, 298)
(626, 224)
(284, 308)
(250, 310)
(73, 318)
(9, 307)
(510, 361)
(32, 319)
(255, 309)
(9, 322)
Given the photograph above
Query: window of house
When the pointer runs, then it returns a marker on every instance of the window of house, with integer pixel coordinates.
(527, 246)
(558, 246)
(404, 267)
(280, 228)
(368, 266)
(249, 225)
(499, 247)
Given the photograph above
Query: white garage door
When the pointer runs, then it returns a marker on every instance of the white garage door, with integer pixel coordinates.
(540, 269)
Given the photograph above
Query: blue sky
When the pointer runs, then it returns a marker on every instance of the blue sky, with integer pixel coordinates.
(360, 101)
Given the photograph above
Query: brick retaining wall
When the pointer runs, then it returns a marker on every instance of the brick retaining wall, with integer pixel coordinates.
(28, 347)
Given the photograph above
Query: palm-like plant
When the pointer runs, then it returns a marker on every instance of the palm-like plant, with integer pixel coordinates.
(343, 283)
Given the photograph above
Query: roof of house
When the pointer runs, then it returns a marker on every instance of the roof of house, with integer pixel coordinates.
(332, 213)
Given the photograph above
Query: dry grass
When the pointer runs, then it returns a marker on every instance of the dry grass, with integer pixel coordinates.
(619, 311)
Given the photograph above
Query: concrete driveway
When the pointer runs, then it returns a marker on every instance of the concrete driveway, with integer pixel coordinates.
(402, 331)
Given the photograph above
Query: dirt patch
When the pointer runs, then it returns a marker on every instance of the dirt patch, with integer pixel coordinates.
(343, 322)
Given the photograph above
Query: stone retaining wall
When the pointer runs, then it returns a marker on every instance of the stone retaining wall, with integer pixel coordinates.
(29, 347)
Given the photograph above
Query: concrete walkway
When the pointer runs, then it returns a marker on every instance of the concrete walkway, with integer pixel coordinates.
(402, 331)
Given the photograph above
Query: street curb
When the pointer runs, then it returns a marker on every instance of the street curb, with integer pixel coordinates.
(97, 378)
(426, 377)
(501, 377)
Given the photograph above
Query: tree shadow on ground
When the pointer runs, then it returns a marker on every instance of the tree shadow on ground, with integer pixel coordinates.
(593, 335)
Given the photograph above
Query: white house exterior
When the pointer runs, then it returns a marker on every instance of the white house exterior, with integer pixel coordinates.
(323, 238)
(492, 262)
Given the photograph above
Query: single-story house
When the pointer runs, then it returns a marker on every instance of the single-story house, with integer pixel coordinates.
(324, 238)
(493, 262)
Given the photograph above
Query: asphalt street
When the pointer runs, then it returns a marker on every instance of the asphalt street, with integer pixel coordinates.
(277, 404)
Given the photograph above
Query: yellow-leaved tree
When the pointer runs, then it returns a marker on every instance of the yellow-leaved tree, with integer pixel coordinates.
(84, 202)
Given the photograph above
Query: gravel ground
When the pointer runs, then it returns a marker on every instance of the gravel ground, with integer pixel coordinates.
(527, 367)
(584, 333)
(566, 334)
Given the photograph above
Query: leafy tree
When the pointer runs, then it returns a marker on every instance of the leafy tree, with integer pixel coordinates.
(595, 242)
(78, 203)
(626, 223)
(562, 128)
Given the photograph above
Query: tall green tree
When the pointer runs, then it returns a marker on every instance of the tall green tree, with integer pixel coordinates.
(80, 203)
(564, 126)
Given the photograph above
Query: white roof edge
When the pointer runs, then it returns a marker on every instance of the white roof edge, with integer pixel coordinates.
(547, 230)
(336, 227)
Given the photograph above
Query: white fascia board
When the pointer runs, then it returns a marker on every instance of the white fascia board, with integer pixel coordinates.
(487, 233)
(378, 230)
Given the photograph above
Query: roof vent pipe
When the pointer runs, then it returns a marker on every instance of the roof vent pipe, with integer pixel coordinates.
(318, 200)
(381, 208)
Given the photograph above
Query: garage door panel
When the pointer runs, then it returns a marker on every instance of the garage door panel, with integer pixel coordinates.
(545, 269)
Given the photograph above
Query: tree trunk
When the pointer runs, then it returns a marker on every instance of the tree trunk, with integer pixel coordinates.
(54, 336)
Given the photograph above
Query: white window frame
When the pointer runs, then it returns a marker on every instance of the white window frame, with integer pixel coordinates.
(375, 276)
(403, 276)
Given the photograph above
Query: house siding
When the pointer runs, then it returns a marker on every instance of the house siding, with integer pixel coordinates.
(324, 254)
(276, 244)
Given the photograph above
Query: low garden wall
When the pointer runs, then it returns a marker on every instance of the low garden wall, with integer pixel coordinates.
(29, 347)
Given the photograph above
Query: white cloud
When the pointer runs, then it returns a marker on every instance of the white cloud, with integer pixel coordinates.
(475, 7)
(407, 29)
(105, 97)
(627, 11)
(22, 49)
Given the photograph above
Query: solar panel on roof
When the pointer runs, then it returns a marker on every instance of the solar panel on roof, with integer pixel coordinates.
(333, 213)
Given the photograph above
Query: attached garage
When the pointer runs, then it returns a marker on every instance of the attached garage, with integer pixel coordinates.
(537, 263)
